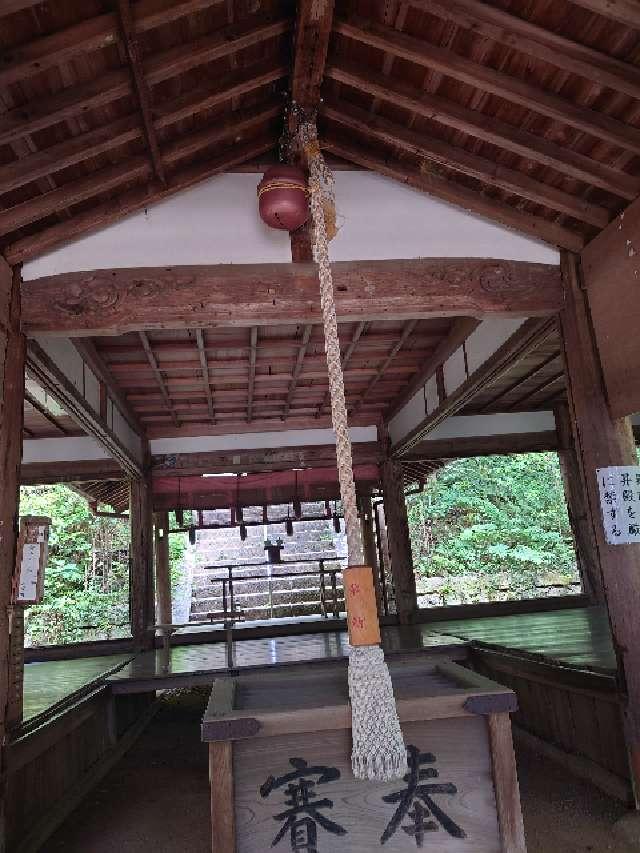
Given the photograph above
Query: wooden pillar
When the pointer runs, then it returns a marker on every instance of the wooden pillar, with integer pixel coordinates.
(395, 511)
(369, 546)
(141, 563)
(12, 359)
(600, 441)
(384, 561)
(577, 507)
(163, 570)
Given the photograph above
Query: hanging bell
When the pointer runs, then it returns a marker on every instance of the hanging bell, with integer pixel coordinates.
(282, 198)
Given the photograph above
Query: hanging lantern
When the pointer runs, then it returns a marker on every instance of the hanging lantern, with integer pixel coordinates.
(180, 517)
(243, 531)
(282, 198)
(336, 522)
(192, 535)
(289, 527)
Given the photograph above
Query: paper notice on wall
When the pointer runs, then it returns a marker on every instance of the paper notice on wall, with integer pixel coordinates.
(620, 503)
(29, 572)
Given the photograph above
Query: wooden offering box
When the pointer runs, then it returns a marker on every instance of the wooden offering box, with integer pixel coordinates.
(280, 768)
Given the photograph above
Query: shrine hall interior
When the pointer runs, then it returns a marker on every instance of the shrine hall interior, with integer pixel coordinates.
(162, 354)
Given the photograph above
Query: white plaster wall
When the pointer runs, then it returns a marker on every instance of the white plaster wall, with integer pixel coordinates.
(217, 222)
(454, 371)
(470, 426)
(62, 450)
(258, 440)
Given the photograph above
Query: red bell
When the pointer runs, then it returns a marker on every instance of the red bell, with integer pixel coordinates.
(282, 198)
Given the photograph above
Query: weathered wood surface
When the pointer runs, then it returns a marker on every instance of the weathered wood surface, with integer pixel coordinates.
(163, 569)
(311, 42)
(505, 782)
(107, 302)
(223, 823)
(611, 270)
(399, 541)
(461, 758)
(141, 561)
(40, 473)
(602, 441)
(12, 361)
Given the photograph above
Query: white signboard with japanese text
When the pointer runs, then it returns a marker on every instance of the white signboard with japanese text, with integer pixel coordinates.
(620, 502)
(32, 555)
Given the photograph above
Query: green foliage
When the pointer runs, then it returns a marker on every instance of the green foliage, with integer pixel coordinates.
(86, 579)
(501, 519)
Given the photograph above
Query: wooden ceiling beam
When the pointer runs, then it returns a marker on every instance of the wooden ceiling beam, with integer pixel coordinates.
(44, 412)
(487, 128)
(407, 331)
(132, 200)
(133, 169)
(306, 334)
(460, 330)
(92, 34)
(105, 302)
(524, 398)
(459, 195)
(253, 343)
(311, 41)
(598, 125)
(111, 86)
(97, 364)
(43, 473)
(519, 34)
(144, 340)
(466, 162)
(529, 336)
(624, 11)
(205, 373)
(531, 374)
(140, 85)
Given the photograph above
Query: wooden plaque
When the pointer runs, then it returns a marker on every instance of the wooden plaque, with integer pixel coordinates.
(31, 558)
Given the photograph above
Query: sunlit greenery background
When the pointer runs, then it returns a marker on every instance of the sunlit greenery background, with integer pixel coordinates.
(482, 529)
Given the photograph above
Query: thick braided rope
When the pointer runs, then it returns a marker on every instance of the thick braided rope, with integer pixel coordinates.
(319, 176)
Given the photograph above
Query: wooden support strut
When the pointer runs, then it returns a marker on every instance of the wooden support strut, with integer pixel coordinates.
(602, 441)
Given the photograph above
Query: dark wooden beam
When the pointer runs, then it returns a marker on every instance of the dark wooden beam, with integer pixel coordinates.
(141, 563)
(132, 200)
(399, 541)
(140, 86)
(530, 335)
(531, 374)
(253, 342)
(306, 334)
(144, 340)
(44, 412)
(603, 441)
(407, 331)
(107, 302)
(457, 194)
(131, 170)
(47, 473)
(113, 85)
(611, 274)
(163, 569)
(460, 160)
(542, 44)
(488, 128)
(483, 445)
(346, 357)
(524, 398)
(90, 35)
(97, 364)
(313, 28)
(623, 11)
(596, 124)
(52, 379)
(205, 373)
(12, 366)
(257, 461)
(460, 330)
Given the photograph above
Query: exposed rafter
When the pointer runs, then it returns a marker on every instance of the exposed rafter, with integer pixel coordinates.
(140, 86)
(461, 160)
(487, 128)
(253, 343)
(624, 11)
(459, 195)
(202, 354)
(422, 53)
(406, 334)
(346, 357)
(531, 374)
(313, 28)
(42, 410)
(306, 334)
(144, 340)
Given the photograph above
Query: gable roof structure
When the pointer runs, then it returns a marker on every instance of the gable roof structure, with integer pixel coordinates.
(524, 112)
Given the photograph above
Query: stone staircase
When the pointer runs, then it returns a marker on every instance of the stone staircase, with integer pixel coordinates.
(297, 594)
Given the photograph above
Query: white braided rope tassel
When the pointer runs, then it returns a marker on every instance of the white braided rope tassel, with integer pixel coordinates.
(378, 750)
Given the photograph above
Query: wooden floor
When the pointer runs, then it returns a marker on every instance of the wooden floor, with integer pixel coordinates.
(579, 638)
